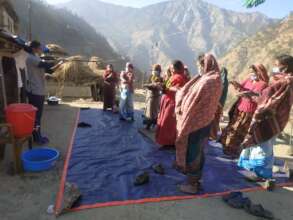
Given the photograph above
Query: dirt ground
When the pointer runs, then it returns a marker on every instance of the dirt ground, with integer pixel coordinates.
(27, 197)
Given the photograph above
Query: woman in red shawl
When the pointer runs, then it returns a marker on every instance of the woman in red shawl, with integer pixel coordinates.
(166, 125)
(196, 105)
(269, 120)
(110, 83)
(242, 111)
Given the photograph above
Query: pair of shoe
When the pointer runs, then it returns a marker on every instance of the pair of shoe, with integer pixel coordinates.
(192, 187)
(144, 178)
(238, 201)
(39, 139)
(84, 125)
(267, 184)
(130, 119)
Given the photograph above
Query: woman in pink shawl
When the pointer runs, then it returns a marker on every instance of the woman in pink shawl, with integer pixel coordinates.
(196, 105)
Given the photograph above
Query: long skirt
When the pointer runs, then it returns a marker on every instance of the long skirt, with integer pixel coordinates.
(234, 134)
(215, 127)
(166, 125)
(195, 157)
(109, 93)
(126, 108)
(259, 159)
(152, 105)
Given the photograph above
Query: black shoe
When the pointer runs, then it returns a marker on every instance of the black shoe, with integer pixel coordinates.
(142, 179)
(148, 127)
(259, 211)
(168, 148)
(159, 169)
(84, 125)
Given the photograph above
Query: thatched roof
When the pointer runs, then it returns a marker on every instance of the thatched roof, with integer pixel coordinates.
(9, 43)
(97, 65)
(77, 72)
(56, 49)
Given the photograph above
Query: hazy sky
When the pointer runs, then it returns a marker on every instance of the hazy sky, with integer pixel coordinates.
(272, 8)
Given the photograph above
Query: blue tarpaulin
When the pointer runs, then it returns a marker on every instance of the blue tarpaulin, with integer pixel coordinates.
(106, 158)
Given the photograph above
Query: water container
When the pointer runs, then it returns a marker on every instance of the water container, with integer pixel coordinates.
(39, 159)
(22, 118)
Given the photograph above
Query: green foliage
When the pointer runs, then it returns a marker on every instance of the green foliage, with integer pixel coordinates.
(253, 3)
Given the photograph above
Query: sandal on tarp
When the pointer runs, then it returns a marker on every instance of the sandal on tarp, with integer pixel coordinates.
(84, 125)
(142, 179)
(259, 211)
(270, 184)
(159, 169)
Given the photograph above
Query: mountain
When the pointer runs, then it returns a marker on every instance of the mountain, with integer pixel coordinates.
(161, 32)
(260, 48)
(59, 26)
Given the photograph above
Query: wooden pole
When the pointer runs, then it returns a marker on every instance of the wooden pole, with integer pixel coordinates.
(30, 20)
(3, 88)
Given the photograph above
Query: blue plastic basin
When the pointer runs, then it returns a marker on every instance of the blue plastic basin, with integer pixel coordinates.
(39, 159)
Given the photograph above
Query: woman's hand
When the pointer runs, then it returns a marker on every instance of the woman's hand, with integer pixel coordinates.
(173, 89)
(236, 85)
(109, 76)
(247, 94)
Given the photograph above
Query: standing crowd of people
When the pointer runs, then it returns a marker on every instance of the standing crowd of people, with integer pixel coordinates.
(186, 112)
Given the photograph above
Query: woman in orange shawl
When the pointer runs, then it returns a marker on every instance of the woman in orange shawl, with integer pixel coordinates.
(166, 124)
(196, 105)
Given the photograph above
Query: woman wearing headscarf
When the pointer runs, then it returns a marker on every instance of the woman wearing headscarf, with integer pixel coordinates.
(269, 120)
(187, 73)
(196, 105)
(215, 128)
(110, 82)
(166, 124)
(242, 111)
(153, 96)
(167, 76)
(126, 106)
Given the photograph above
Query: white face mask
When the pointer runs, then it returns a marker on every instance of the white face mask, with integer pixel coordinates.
(253, 77)
(200, 71)
(276, 70)
(156, 73)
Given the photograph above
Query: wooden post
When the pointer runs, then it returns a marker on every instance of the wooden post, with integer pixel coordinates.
(4, 98)
(30, 20)
(3, 89)
(143, 79)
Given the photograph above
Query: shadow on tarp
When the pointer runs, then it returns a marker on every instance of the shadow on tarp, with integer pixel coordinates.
(105, 159)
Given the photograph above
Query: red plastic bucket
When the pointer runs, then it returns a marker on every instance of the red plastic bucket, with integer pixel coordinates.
(22, 118)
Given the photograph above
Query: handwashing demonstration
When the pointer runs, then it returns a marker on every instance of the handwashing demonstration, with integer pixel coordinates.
(146, 109)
